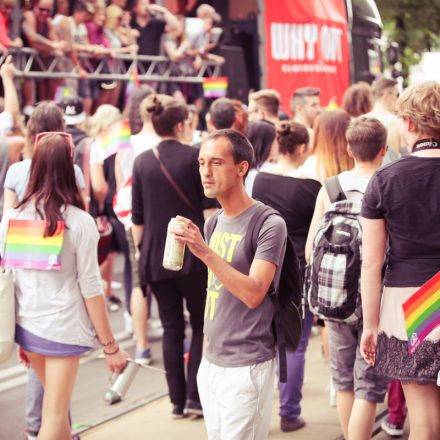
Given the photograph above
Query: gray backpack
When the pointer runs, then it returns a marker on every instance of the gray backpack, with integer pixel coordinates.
(335, 269)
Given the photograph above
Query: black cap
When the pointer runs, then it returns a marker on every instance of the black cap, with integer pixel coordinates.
(73, 110)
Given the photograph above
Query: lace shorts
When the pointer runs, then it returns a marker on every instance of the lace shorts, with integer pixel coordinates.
(393, 359)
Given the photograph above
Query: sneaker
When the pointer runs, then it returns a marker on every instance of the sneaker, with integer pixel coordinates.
(144, 357)
(390, 429)
(177, 412)
(114, 303)
(289, 425)
(116, 285)
(30, 435)
(193, 408)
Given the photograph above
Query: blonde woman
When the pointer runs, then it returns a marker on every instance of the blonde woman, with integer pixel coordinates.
(401, 212)
(103, 184)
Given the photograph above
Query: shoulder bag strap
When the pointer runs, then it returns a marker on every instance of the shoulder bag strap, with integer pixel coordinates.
(334, 189)
(173, 182)
(86, 170)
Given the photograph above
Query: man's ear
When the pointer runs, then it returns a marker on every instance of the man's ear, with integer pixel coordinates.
(350, 151)
(243, 167)
(383, 150)
(410, 125)
(209, 124)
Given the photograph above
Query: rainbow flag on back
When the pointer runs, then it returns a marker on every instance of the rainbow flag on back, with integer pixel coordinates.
(115, 138)
(215, 87)
(422, 312)
(26, 247)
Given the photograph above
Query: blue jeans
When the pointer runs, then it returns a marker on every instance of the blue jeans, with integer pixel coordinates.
(291, 391)
(34, 402)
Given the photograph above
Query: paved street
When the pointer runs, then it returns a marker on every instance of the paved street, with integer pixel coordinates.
(145, 411)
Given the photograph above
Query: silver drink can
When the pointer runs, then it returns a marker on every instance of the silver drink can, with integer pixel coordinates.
(121, 382)
(174, 251)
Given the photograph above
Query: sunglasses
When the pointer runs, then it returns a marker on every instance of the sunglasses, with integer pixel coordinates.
(68, 136)
(44, 10)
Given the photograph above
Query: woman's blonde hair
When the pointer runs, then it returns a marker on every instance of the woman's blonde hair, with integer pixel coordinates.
(104, 116)
(421, 104)
(113, 12)
(330, 144)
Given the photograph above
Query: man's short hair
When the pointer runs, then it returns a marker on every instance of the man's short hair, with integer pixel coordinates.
(222, 113)
(267, 100)
(366, 137)
(300, 95)
(242, 149)
(381, 85)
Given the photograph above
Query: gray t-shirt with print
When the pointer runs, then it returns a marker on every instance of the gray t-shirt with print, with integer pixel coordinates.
(237, 336)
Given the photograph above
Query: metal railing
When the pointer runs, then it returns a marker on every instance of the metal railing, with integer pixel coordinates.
(30, 64)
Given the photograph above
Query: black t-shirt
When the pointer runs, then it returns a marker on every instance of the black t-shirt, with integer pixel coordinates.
(155, 202)
(294, 199)
(150, 35)
(406, 194)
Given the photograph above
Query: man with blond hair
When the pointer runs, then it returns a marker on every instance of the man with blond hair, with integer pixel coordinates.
(264, 105)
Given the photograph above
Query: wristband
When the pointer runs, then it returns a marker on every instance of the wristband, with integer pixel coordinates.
(112, 352)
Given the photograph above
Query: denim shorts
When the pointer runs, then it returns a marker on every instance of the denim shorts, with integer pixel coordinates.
(348, 368)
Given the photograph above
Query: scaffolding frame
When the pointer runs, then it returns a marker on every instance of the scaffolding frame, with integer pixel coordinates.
(29, 63)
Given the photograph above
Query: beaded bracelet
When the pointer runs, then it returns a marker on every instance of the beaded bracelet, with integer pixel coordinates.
(111, 353)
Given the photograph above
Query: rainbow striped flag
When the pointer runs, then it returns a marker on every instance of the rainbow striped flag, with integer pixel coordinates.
(422, 312)
(215, 87)
(115, 138)
(133, 83)
(27, 247)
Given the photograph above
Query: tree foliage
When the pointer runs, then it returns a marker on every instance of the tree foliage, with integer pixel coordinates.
(414, 25)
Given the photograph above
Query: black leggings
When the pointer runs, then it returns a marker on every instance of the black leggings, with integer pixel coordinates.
(169, 295)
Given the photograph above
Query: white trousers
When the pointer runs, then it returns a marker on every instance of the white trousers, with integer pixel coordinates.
(237, 402)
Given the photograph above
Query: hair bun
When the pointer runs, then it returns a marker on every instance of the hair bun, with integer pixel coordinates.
(156, 107)
(283, 128)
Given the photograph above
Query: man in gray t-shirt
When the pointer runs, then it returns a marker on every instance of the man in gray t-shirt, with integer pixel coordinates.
(236, 376)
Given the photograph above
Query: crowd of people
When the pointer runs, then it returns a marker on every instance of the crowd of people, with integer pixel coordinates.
(381, 150)
(101, 30)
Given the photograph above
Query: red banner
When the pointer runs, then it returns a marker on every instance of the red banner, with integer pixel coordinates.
(306, 45)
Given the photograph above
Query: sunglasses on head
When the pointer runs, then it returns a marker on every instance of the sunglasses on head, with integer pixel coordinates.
(68, 136)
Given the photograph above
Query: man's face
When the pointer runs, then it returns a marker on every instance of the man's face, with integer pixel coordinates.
(254, 113)
(43, 10)
(220, 175)
(311, 109)
(142, 8)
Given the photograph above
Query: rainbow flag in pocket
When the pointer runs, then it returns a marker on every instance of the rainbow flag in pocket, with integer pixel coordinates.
(26, 246)
(422, 312)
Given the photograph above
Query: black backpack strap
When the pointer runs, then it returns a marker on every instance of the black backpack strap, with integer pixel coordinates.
(334, 189)
(254, 227)
(211, 223)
